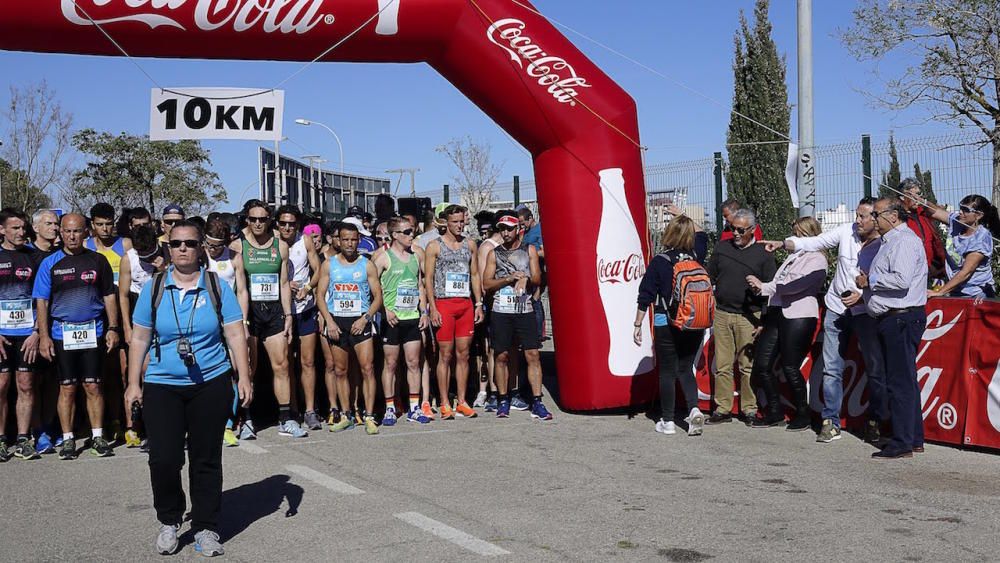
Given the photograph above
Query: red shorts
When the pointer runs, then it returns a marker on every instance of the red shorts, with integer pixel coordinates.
(458, 319)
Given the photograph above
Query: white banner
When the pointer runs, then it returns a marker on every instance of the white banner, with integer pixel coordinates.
(792, 173)
(215, 113)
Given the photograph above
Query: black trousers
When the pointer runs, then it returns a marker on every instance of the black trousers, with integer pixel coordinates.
(788, 339)
(195, 413)
(899, 335)
(675, 353)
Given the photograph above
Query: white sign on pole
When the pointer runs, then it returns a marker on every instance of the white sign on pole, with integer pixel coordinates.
(792, 173)
(215, 113)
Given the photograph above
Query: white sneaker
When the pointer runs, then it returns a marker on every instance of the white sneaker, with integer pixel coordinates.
(696, 422)
(166, 541)
(480, 401)
(666, 427)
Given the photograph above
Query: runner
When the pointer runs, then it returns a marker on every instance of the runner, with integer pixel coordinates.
(512, 271)
(451, 278)
(399, 267)
(224, 262)
(142, 261)
(18, 335)
(487, 396)
(171, 214)
(74, 286)
(45, 224)
(344, 302)
(434, 227)
(304, 264)
(265, 265)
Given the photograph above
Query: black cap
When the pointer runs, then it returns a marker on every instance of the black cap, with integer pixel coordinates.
(355, 211)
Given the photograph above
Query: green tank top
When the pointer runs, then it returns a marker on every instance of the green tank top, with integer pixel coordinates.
(263, 267)
(399, 286)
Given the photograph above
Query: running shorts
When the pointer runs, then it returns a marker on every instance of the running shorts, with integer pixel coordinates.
(15, 357)
(76, 366)
(403, 332)
(458, 319)
(266, 319)
(507, 326)
(348, 340)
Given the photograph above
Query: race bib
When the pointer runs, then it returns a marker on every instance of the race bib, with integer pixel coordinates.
(79, 336)
(16, 314)
(407, 299)
(456, 284)
(264, 287)
(347, 300)
(505, 300)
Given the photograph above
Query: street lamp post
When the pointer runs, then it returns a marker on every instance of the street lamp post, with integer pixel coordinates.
(340, 145)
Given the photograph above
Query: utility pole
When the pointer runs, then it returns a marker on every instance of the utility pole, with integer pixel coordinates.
(413, 178)
(807, 161)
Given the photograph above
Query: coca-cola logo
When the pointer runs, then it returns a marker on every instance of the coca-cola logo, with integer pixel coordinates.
(554, 73)
(623, 270)
(284, 16)
(936, 328)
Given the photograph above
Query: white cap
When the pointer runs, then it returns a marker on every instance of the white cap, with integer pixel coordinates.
(357, 223)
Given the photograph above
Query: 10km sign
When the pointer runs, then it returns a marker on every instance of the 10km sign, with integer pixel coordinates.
(215, 113)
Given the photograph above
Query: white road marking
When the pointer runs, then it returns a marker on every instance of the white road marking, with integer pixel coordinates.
(251, 448)
(324, 480)
(457, 537)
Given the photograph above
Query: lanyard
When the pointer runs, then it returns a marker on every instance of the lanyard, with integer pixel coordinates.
(194, 306)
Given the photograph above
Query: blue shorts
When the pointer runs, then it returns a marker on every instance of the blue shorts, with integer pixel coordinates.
(305, 323)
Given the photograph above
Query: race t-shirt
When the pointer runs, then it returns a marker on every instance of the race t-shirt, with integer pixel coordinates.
(75, 286)
(17, 277)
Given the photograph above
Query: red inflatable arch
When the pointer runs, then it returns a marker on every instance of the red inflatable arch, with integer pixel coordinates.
(580, 127)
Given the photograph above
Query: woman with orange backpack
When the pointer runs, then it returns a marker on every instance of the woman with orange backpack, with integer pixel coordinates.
(677, 283)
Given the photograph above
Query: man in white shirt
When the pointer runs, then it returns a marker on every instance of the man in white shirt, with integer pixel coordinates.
(856, 244)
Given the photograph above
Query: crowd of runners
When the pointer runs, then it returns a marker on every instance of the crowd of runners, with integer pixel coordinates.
(393, 315)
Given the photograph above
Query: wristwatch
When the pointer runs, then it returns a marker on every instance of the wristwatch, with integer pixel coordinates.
(112, 329)
(367, 317)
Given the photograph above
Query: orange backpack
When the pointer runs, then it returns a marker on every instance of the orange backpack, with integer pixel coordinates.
(692, 301)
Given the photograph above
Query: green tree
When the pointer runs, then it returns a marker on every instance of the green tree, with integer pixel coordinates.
(129, 171)
(925, 178)
(18, 192)
(756, 172)
(892, 178)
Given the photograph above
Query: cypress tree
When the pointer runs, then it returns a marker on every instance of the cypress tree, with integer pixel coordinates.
(893, 177)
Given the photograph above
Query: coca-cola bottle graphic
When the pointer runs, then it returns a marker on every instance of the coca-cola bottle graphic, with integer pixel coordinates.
(993, 399)
(620, 266)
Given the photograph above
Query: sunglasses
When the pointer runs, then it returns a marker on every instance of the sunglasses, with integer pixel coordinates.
(508, 228)
(383, 238)
(407, 232)
(967, 209)
(252, 219)
(213, 246)
(742, 230)
(177, 243)
(286, 223)
(169, 222)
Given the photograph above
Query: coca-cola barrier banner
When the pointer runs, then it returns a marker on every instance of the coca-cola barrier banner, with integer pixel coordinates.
(958, 368)
(580, 127)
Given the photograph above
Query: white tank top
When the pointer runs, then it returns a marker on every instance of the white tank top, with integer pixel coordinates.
(300, 272)
(223, 267)
(142, 272)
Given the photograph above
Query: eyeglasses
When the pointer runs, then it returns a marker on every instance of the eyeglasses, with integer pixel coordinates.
(252, 219)
(967, 209)
(286, 223)
(177, 243)
(407, 232)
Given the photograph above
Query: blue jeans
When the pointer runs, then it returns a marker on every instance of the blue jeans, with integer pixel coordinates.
(899, 336)
(837, 330)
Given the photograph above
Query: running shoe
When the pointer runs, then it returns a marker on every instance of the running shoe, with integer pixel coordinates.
(248, 432)
(390, 417)
(68, 449)
(491, 404)
(166, 541)
(666, 427)
(5, 454)
(291, 428)
(58, 441)
(696, 422)
(370, 427)
(25, 449)
(416, 415)
(115, 432)
(359, 417)
(131, 439)
(144, 446)
(312, 420)
(43, 444)
(447, 413)
(503, 408)
(229, 438)
(539, 411)
(345, 422)
(465, 411)
(334, 417)
(425, 408)
(518, 404)
(100, 447)
(206, 542)
(480, 401)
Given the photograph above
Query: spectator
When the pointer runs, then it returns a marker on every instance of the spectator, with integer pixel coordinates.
(895, 294)
(792, 315)
(969, 247)
(729, 207)
(532, 229)
(914, 204)
(737, 314)
(676, 349)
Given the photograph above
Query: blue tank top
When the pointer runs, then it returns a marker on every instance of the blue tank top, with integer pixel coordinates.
(348, 294)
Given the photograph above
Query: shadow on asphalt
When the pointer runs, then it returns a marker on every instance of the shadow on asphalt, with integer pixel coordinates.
(551, 383)
(246, 504)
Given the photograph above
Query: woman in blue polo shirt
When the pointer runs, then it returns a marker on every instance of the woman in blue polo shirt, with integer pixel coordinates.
(187, 389)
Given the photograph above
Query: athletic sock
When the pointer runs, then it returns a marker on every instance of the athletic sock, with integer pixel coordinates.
(537, 398)
(97, 432)
(390, 403)
(67, 436)
(284, 413)
(414, 401)
(23, 437)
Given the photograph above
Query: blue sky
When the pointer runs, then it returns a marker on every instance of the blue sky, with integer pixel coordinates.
(393, 116)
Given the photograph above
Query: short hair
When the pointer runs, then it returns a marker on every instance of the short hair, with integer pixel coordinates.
(895, 204)
(453, 209)
(331, 229)
(744, 213)
(253, 203)
(188, 224)
(867, 200)
(144, 239)
(679, 234)
(809, 225)
(217, 229)
(11, 213)
(37, 215)
(731, 203)
(525, 214)
(349, 227)
(910, 183)
(102, 210)
(291, 210)
(395, 222)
